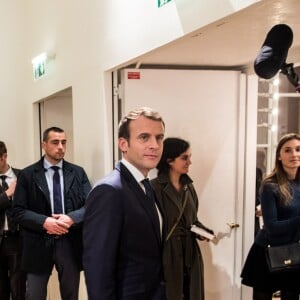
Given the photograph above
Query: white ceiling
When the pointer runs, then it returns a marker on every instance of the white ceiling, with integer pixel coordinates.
(232, 42)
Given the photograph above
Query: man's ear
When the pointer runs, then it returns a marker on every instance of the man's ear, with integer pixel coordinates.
(3, 156)
(123, 144)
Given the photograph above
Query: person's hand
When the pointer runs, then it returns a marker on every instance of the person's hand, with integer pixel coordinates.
(64, 218)
(11, 189)
(55, 226)
(201, 238)
(258, 212)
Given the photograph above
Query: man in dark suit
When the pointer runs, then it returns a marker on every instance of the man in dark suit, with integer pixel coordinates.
(12, 279)
(49, 206)
(123, 226)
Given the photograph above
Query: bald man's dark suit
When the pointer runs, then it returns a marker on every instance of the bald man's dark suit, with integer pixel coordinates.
(32, 206)
(122, 242)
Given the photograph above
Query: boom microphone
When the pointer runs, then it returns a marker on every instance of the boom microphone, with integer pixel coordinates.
(272, 56)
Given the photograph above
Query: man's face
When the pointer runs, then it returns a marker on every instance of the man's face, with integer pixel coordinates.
(145, 145)
(55, 147)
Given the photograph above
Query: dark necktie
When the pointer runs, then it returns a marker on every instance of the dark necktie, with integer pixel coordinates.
(151, 196)
(148, 189)
(57, 201)
(4, 183)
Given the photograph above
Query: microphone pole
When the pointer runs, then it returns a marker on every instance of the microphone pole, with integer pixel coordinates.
(292, 76)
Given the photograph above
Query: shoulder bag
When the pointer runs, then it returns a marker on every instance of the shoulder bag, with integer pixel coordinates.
(283, 258)
(180, 214)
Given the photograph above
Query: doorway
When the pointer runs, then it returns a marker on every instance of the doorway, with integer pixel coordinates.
(57, 110)
(208, 108)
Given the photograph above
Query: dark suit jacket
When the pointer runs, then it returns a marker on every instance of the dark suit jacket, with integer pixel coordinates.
(122, 244)
(5, 204)
(31, 207)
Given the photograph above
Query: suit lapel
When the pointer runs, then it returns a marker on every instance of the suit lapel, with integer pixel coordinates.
(168, 190)
(40, 179)
(68, 177)
(16, 172)
(150, 210)
(142, 199)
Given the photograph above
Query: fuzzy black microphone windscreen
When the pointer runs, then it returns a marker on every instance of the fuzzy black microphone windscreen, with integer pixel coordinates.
(274, 51)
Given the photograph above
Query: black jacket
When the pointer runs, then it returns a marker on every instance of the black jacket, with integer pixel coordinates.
(31, 207)
(122, 242)
(5, 204)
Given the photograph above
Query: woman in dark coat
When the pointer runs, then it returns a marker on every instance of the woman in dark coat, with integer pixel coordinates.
(182, 259)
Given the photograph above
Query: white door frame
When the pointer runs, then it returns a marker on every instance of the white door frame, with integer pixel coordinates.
(246, 179)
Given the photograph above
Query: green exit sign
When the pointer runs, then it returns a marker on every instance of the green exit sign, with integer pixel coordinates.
(160, 3)
(39, 66)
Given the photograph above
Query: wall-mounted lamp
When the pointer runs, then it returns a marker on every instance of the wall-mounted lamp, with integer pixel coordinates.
(276, 81)
(271, 127)
(276, 96)
(273, 111)
(274, 128)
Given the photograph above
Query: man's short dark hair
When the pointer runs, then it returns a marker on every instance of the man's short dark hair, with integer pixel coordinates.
(133, 115)
(46, 132)
(3, 148)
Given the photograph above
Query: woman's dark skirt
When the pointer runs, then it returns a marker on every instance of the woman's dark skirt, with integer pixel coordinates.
(256, 274)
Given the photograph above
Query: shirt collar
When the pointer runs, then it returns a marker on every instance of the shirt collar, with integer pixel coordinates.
(138, 176)
(48, 165)
(9, 173)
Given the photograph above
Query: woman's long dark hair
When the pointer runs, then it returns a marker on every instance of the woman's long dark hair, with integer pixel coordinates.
(173, 147)
(278, 175)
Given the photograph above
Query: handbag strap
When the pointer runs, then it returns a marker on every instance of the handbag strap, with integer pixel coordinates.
(180, 214)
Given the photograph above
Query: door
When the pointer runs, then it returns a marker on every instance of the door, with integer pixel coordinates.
(57, 110)
(206, 108)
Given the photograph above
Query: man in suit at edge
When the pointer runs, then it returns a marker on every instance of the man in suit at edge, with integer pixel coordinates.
(12, 279)
(51, 235)
(122, 233)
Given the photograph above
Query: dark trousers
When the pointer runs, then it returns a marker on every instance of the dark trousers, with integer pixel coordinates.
(12, 279)
(158, 293)
(68, 274)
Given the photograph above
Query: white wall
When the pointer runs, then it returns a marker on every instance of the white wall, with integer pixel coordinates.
(195, 14)
(135, 27)
(16, 124)
(88, 38)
